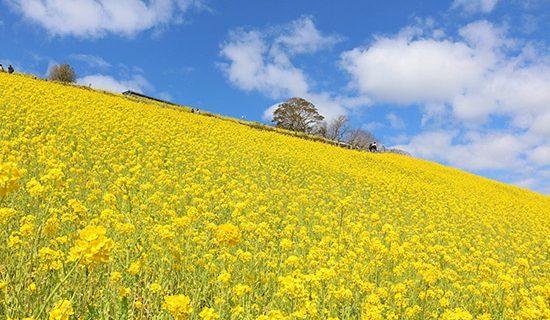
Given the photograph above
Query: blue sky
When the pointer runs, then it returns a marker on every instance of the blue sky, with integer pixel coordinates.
(463, 82)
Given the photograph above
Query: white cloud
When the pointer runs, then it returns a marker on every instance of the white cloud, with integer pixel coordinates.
(541, 155)
(253, 67)
(268, 113)
(511, 89)
(91, 60)
(95, 18)
(526, 183)
(137, 83)
(483, 35)
(395, 121)
(430, 145)
(403, 70)
(302, 36)
(261, 61)
(472, 6)
(541, 125)
(489, 151)
(480, 75)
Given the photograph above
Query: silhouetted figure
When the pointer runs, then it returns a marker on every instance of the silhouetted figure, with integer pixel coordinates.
(2, 68)
(373, 147)
(192, 110)
(10, 69)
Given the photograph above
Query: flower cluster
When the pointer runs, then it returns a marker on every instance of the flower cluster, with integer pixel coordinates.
(228, 234)
(9, 177)
(179, 306)
(62, 310)
(92, 247)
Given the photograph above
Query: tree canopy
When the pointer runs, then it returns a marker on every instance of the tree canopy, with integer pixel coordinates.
(63, 73)
(297, 114)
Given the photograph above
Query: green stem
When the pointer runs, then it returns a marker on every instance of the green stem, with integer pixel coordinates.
(55, 289)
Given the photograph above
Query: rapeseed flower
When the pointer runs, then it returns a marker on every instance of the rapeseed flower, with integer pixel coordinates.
(9, 177)
(228, 234)
(150, 199)
(208, 314)
(92, 247)
(62, 310)
(7, 214)
(179, 306)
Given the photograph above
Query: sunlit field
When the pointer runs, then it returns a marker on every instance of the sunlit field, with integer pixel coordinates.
(116, 209)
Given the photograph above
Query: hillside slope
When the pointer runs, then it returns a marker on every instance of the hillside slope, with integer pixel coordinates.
(129, 209)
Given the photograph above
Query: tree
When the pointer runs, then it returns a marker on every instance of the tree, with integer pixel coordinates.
(297, 114)
(360, 138)
(335, 130)
(63, 73)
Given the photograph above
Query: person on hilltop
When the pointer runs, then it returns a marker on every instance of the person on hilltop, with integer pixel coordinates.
(1, 68)
(373, 147)
(10, 69)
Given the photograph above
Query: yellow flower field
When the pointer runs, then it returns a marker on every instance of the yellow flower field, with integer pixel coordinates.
(116, 209)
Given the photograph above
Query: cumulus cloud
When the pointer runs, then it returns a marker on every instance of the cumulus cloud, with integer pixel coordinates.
(262, 61)
(489, 92)
(105, 82)
(473, 6)
(410, 68)
(406, 71)
(511, 89)
(96, 18)
(253, 67)
(482, 74)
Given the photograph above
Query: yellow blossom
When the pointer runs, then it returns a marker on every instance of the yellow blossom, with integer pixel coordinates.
(9, 177)
(124, 292)
(134, 268)
(7, 214)
(179, 306)
(208, 314)
(239, 290)
(155, 287)
(224, 277)
(115, 276)
(92, 247)
(62, 310)
(228, 234)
